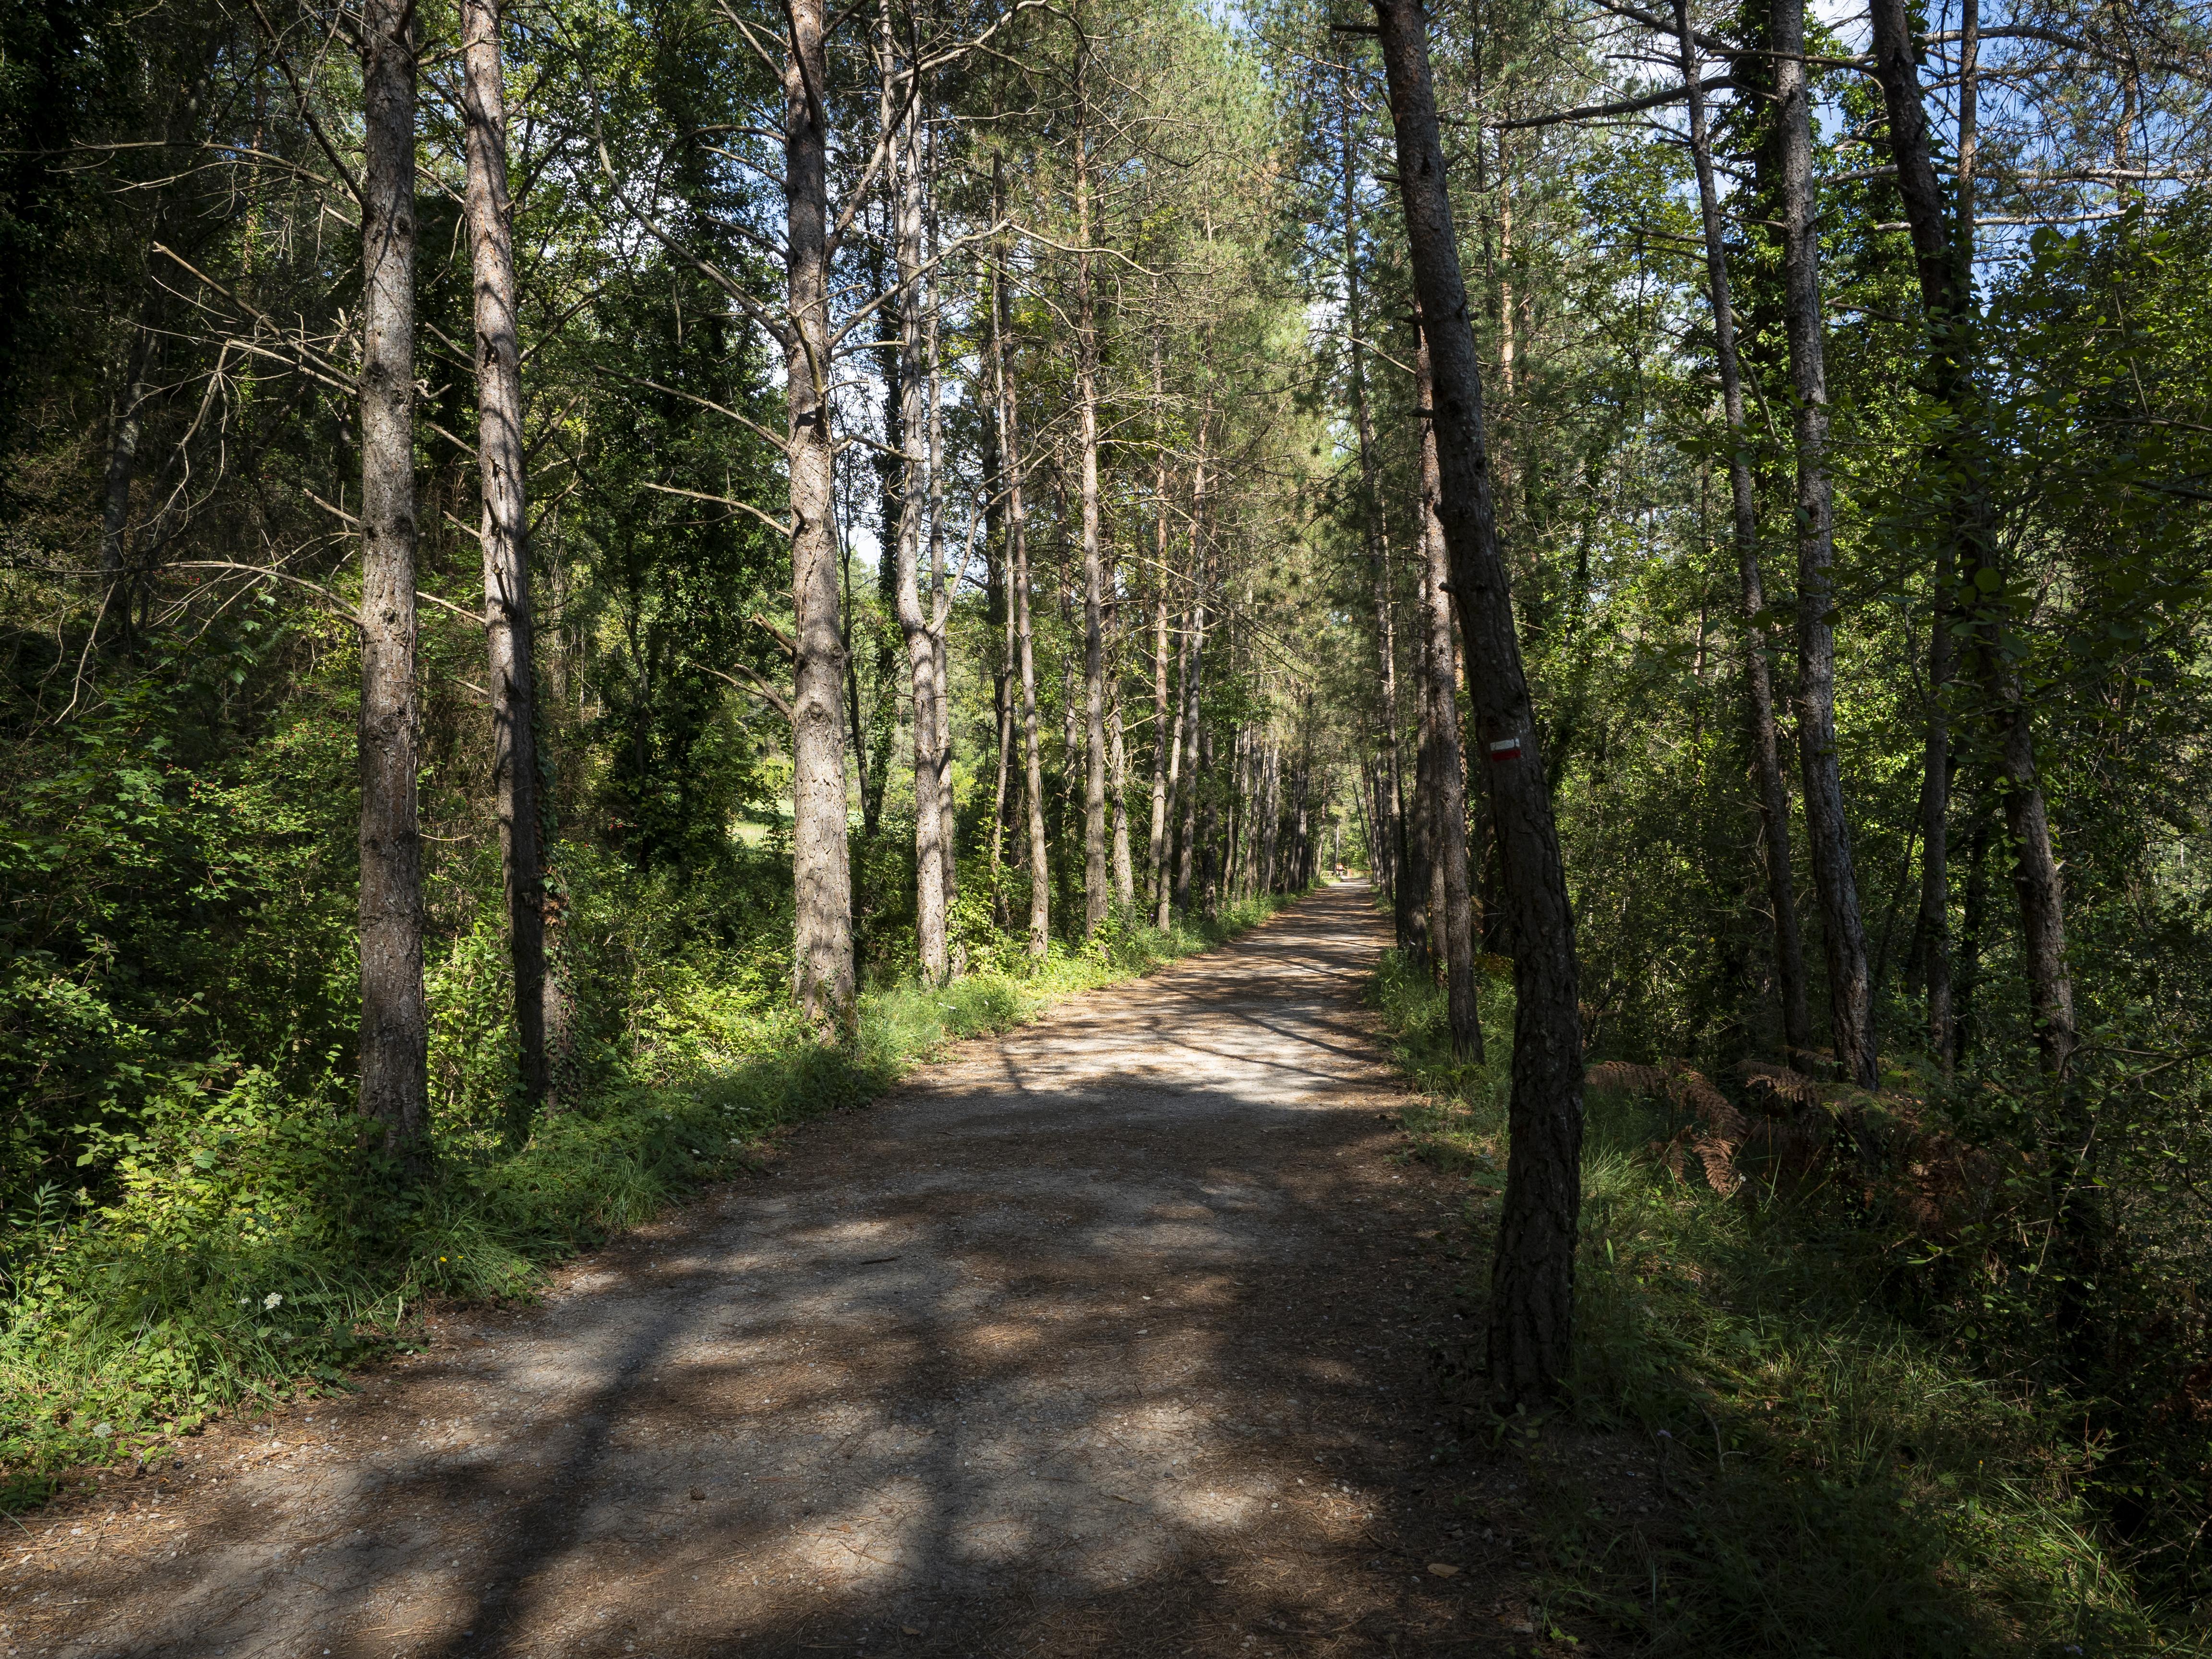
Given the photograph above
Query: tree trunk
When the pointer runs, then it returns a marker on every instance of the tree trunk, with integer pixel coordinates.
(1850, 1000)
(2035, 869)
(508, 621)
(1448, 802)
(1191, 723)
(1210, 852)
(1271, 819)
(1972, 929)
(941, 628)
(1186, 691)
(122, 470)
(1422, 876)
(1000, 613)
(2084, 1240)
(394, 1034)
(913, 619)
(1434, 718)
(1945, 265)
(1164, 876)
(1932, 925)
(1531, 1279)
(1117, 766)
(1009, 443)
(1373, 530)
(1363, 797)
(1943, 286)
(1247, 812)
(1073, 753)
(1240, 814)
(867, 775)
(821, 868)
(1765, 742)
(871, 753)
(1156, 843)
(1097, 893)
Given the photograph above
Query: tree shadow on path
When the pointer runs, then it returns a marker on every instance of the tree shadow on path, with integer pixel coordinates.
(1103, 1337)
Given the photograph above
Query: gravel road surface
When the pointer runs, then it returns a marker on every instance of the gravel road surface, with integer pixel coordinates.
(1100, 1338)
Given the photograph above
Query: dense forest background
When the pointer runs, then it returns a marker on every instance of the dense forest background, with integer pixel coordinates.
(1007, 543)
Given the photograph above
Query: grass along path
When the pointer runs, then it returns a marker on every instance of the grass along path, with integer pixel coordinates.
(1759, 1459)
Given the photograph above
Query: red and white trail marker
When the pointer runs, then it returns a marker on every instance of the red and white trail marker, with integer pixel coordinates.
(1504, 749)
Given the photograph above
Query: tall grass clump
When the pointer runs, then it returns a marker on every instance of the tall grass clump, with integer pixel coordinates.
(1829, 1479)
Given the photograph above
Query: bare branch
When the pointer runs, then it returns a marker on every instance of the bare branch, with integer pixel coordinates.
(754, 686)
(1625, 106)
(306, 110)
(776, 525)
(336, 604)
(782, 445)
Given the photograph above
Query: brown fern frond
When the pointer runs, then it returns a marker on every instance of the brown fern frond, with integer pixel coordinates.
(1627, 1078)
(1719, 1158)
(1691, 1089)
(1776, 1087)
(1723, 1121)
(1694, 1093)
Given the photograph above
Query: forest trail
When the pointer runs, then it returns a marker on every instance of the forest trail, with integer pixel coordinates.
(1098, 1338)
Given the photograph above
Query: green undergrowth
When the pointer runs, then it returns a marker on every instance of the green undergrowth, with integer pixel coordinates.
(1834, 1484)
(250, 1250)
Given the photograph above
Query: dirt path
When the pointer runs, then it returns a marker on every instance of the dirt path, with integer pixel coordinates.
(1097, 1338)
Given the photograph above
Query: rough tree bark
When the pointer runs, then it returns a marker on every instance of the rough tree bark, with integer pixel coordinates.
(122, 469)
(1000, 613)
(508, 619)
(1765, 742)
(1433, 717)
(1163, 875)
(1009, 445)
(872, 739)
(1945, 266)
(1944, 285)
(1117, 765)
(2084, 1242)
(1532, 1278)
(941, 643)
(1389, 851)
(1932, 925)
(394, 1036)
(1447, 803)
(1417, 924)
(1207, 885)
(1828, 830)
(1071, 676)
(1240, 810)
(1271, 821)
(940, 603)
(1156, 843)
(1098, 894)
(913, 621)
(821, 870)
(1187, 853)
